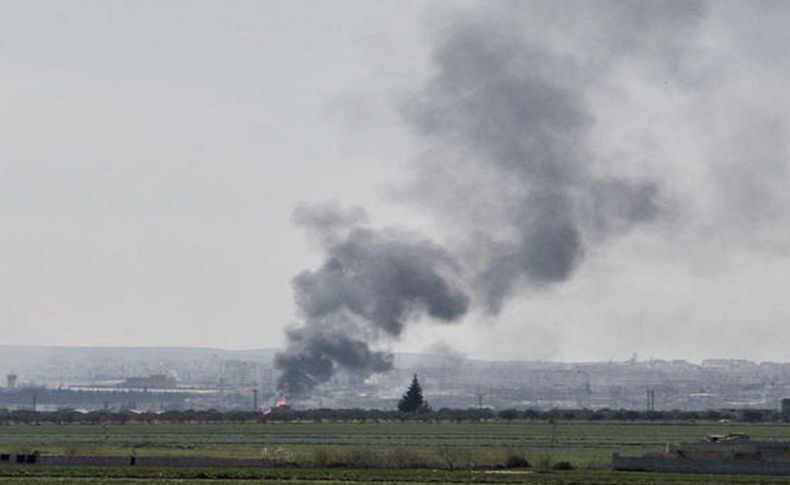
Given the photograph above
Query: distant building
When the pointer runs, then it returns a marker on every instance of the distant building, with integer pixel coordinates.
(154, 381)
(725, 364)
(10, 380)
(752, 415)
(785, 409)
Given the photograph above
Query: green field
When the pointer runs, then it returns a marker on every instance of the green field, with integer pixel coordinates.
(386, 452)
(331, 476)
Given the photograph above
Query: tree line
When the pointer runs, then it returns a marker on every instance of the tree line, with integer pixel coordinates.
(67, 416)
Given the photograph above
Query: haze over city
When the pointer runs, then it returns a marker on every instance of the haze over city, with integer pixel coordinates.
(557, 180)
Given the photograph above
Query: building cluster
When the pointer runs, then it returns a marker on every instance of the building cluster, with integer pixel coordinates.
(147, 379)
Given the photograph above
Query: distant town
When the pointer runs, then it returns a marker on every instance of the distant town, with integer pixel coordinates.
(162, 379)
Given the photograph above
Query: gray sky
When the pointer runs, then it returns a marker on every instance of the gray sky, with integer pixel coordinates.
(151, 155)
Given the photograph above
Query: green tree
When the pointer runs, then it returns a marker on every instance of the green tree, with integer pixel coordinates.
(412, 401)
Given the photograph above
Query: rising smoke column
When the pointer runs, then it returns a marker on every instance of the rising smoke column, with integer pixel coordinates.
(372, 283)
(510, 170)
(508, 125)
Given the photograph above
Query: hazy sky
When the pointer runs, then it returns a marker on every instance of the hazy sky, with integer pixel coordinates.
(152, 153)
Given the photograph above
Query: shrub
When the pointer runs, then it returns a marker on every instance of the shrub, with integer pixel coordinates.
(363, 458)
(277, 455)
(406, 458)
(562, 465)
(324, 457)
(455, 457)
(508, 414)
(516, 461)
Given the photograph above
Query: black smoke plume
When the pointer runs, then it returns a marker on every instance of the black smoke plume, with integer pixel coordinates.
(509, 127)
(511, 171)
(372, 283)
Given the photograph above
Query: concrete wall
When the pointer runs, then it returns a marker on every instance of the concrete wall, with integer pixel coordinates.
(186, 461)
(736, 467)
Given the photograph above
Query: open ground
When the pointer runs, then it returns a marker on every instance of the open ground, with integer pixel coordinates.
(363, 452)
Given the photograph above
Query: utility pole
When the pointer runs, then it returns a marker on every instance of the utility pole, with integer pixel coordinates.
(480, 396)
(554, 440)
(651, 400)
(255, 400)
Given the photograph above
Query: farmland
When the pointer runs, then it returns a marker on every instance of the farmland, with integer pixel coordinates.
(386, 452)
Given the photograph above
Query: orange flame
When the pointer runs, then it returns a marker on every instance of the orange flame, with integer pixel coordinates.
(280, 402)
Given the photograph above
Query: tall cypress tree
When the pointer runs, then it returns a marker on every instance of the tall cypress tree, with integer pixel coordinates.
(413, 401)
